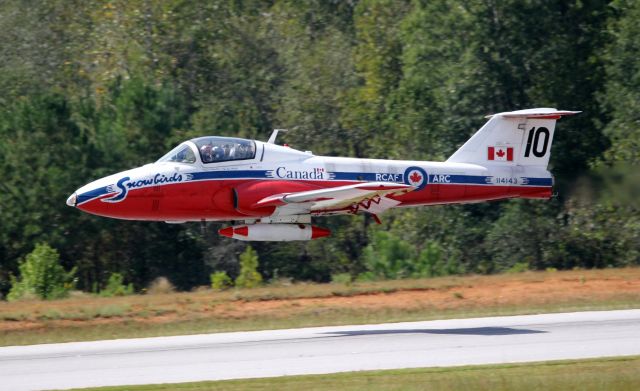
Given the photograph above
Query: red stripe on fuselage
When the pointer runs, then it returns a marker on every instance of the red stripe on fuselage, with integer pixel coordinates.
(213, 199)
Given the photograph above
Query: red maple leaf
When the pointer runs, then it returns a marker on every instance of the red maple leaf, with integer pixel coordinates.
(500, 153)
(415, 177)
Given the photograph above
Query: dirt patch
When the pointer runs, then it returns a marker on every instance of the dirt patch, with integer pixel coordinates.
(509, 293)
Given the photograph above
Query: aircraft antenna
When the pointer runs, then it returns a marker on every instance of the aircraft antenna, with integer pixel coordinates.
(272, 139)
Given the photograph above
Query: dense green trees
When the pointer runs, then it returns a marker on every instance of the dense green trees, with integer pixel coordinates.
(92, 87)
(622, 84)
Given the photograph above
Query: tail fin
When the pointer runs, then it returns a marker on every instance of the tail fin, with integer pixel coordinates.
(520, 137)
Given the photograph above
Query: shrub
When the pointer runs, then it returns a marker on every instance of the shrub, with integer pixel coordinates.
(387, 257)
(116, 287)
(341, 278)
(249, 276)
(519, 267)
(432, 263)
(220, 281)
(390, 257)
(41, 276)
(160, 286)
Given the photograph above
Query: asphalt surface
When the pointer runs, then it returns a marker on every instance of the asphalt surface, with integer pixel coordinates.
(321, 350)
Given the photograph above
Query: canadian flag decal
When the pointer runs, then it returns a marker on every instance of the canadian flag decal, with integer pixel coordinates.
(500, 153)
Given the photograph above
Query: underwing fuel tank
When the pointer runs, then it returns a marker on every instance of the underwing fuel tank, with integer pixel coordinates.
(274, 232)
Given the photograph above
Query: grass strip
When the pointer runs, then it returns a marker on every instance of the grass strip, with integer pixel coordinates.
(309, 318)
(303, 305)
(615, 374)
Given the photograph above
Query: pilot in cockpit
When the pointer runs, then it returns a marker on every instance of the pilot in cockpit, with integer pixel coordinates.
(229, 152)
(214, 149)
(217, 153)
(242, 151)
(211, 153)
(206, 153)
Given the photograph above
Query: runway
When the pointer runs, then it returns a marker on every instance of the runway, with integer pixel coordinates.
(321, 350)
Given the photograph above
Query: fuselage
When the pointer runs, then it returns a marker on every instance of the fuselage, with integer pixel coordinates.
(176, 189)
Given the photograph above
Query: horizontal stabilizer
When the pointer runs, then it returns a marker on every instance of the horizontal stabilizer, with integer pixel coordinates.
(539, 113)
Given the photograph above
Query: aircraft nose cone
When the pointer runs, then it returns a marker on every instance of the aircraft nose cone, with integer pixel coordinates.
(72, 200)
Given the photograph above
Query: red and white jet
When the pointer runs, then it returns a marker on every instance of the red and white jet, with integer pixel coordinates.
(276, 190)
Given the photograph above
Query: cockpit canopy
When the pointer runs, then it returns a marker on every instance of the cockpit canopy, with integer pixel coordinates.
(222, 149)
(212, 150)
(183, 153)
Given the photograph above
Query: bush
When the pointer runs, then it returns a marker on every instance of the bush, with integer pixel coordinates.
(432, 262)
(160, 286)
(249, 276)
(115, 287)
(220, 281)
(341, 278)
(518, 267)
(387, 257)
(41, 276)
(390, 257)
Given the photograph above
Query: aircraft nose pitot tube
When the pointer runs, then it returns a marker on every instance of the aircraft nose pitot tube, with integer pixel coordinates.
(274, 232)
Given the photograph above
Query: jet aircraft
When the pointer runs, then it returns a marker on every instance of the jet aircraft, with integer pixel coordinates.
(272, 192)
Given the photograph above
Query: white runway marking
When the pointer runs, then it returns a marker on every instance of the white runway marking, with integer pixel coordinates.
(321, 350)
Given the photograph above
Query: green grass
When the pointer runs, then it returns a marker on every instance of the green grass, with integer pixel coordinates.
(615, 374)
(88, 317)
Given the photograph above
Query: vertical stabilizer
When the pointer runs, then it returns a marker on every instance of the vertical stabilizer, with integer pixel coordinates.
(520, 137)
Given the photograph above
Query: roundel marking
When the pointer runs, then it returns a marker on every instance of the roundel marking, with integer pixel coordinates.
(416, 176)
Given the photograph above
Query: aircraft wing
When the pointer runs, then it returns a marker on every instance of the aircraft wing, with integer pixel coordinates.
(369, 197)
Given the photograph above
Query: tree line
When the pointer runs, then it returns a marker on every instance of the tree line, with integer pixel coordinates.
(92, 87)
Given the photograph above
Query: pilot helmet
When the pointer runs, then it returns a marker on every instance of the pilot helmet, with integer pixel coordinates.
(205, 151)
(217, 153)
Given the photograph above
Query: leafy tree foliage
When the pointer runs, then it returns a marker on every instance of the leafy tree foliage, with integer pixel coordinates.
(622, 84)
(93, 87)
(388, 256)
